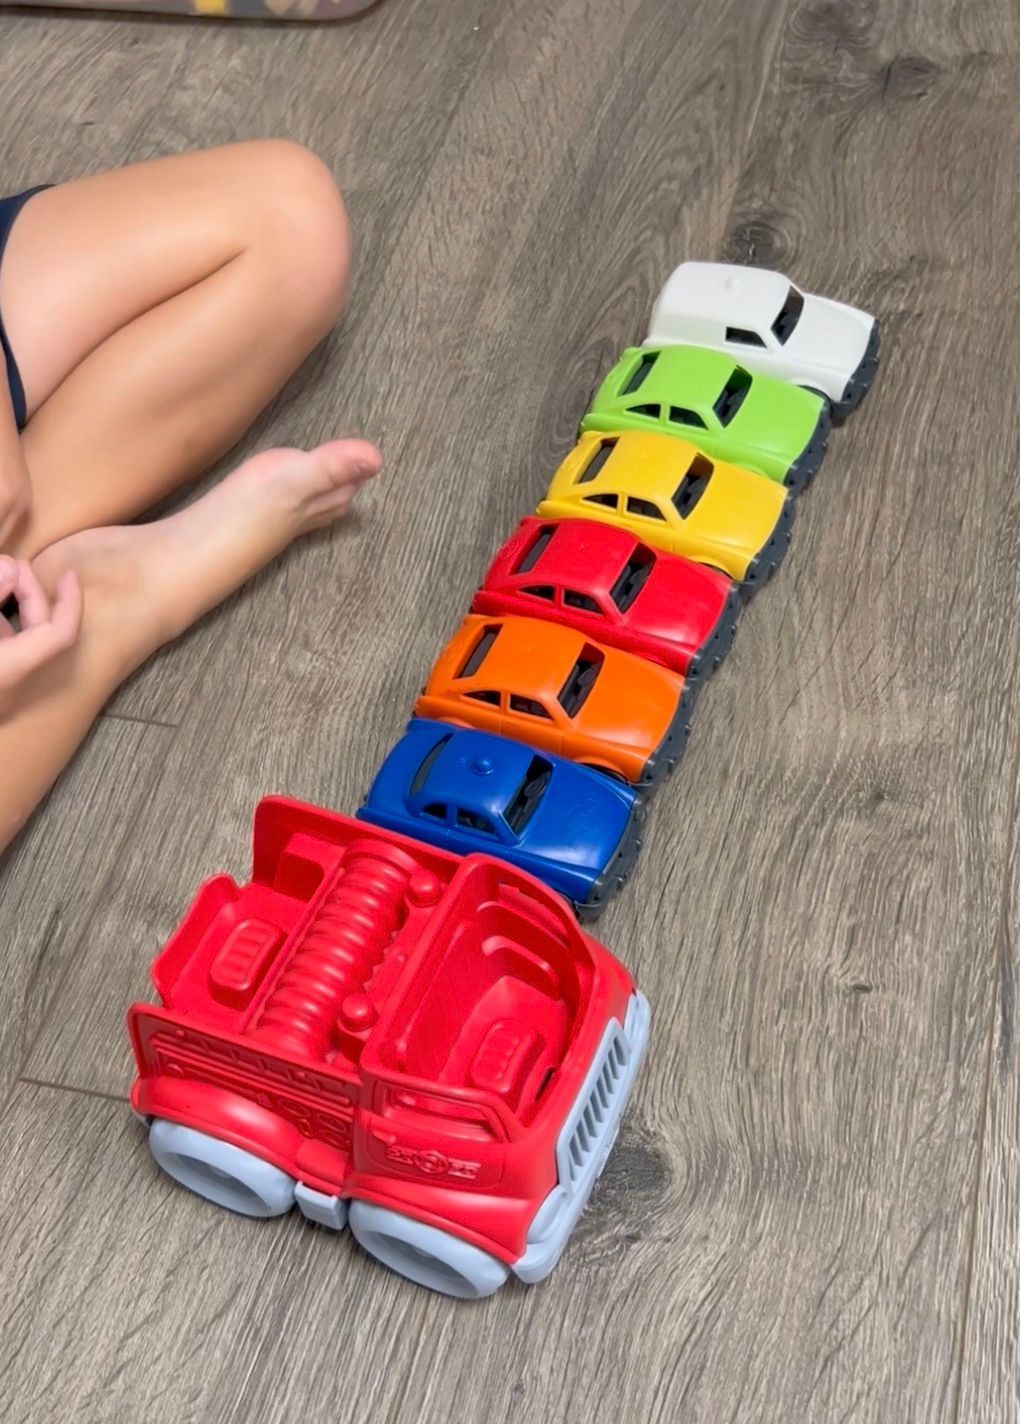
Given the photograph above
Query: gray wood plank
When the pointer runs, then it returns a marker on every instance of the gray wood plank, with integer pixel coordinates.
(990, 1384)
(57, 874)
(836, 888)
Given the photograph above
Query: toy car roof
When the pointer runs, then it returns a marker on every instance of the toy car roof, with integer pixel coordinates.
(643, 463)
(599, 549)
(492, 651)
(665, 374)
(719, 292)
(471, 770)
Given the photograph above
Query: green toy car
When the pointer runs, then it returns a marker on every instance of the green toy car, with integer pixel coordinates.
(757, 422)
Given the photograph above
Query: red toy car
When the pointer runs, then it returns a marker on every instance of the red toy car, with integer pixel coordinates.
(425, 1046)
(609, 585)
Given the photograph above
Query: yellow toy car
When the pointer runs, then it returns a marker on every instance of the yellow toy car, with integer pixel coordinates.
(671, 495)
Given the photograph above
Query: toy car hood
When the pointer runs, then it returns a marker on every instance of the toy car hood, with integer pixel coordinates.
(830, 335)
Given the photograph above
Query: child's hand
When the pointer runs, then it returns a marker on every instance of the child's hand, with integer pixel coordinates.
(47, 628)
(15, 501)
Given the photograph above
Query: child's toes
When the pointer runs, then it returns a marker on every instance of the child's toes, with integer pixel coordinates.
(348, 462)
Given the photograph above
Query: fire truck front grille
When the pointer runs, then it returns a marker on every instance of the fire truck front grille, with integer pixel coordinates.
(595, 1116)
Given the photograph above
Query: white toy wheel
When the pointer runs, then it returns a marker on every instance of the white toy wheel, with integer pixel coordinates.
(426, 1255)
(220, 1172)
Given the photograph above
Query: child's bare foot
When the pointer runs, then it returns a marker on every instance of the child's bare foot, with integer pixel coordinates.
(145, 584)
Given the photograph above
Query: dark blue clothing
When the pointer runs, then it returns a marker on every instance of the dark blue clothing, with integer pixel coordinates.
(9, 210)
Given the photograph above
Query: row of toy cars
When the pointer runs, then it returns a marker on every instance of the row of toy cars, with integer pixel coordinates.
(390, 1026)
(566, 693)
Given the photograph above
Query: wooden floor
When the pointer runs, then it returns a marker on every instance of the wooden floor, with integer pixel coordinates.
(811, 1216)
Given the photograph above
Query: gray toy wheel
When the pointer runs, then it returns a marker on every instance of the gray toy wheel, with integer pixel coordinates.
(223, 1174)
(426, 1255)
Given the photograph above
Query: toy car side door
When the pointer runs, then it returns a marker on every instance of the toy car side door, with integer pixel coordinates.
(469, 831)
(650, 519)
(594, 611)
(544, 724)
(436, 815)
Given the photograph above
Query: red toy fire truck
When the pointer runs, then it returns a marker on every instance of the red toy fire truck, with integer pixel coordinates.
(424, 1047)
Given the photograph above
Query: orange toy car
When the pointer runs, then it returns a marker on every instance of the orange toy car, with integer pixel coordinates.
(552, 687)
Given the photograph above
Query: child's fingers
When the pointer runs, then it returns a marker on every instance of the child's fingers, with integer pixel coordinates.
(65, 617)
(33, 605)
(25, 654)
(8, 576)
(8, 582)
(45, 631)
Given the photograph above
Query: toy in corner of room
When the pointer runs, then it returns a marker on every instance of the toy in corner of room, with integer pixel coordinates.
(290, 10)
(398, 1024)
(423, 1047)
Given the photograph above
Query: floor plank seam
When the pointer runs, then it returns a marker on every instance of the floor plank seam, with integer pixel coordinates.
(73, 1088)
(141, 721)
(61, 979)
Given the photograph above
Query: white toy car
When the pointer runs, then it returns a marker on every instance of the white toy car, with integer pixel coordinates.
(763, 321)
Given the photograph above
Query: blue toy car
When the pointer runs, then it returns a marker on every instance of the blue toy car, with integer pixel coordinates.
(471, 791)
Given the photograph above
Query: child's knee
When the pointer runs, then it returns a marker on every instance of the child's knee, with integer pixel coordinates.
(305, 230)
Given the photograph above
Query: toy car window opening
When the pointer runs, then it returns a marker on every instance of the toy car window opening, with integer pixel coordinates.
(608, 501)
(541, 590)
(680, 415)
(478, 652)
(740, 336)
(535, 550)
(595, 465)
(462, 1118)
(529, 706)
(636, 379)
(428, 762)
(732, 395)
(470, 821)
(583, 676)
(584, 601)
(693, 485)
(435, 809)
(633, 577)
(652, 412)
(644, 507)
(527, 797)
(789, 314)
(492, 698)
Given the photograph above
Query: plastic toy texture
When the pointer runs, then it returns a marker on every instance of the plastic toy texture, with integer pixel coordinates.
(470, 792)
(763, 321)
(667, 493)
(549, 686)
(604, 582)
(755, 422)
(426, 1048)
(216, 9)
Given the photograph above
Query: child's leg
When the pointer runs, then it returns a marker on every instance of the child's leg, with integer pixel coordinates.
(154, 311)
(146, 583)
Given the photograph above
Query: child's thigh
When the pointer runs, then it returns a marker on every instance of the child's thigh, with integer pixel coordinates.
(89, 256)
